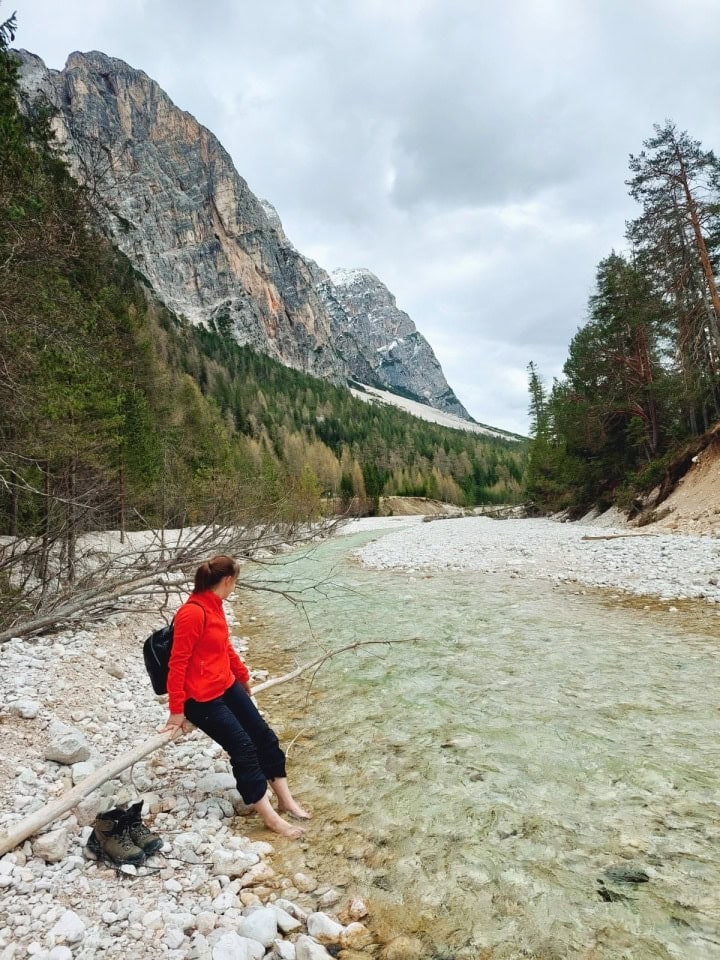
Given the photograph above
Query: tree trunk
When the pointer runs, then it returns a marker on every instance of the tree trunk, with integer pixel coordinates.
(702, 251)
(72, 532)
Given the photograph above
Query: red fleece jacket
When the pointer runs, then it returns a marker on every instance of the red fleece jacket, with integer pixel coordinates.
(203, 663)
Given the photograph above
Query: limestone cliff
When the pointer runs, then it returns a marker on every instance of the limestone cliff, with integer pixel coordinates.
(176, 206)
(173, 202)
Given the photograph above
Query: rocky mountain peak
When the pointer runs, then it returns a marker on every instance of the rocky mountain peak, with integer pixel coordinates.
(174, 203)
(380, 338)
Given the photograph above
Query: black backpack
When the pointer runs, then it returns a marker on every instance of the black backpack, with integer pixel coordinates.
(156, 654)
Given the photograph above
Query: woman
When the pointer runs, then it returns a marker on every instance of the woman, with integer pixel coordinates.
(209, 685)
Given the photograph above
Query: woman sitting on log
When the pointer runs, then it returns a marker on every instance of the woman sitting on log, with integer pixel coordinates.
(208, 685)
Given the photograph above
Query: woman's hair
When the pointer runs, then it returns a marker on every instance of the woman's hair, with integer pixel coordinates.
(211, 572)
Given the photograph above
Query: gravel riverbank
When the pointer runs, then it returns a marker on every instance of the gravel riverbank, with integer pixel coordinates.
(665, 565)
(214, 892)
(218, 892)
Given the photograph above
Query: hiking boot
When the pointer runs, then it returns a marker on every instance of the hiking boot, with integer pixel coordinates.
(148, 841)
(110, 839)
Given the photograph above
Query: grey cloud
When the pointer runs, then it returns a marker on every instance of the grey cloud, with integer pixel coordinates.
(472, 155)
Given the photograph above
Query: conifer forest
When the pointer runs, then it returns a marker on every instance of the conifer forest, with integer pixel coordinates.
(642, 377)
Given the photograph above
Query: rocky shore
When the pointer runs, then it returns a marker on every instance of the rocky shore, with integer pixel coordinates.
(214, 892)
(217, 890)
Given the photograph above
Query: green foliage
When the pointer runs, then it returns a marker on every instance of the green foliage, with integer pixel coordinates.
(394, 452)
(118, 413)
(643, 374)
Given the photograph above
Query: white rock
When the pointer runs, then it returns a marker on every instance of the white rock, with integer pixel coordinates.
(174, 938)
(324, 928)
(181, 919)
(260, 873)
(69, 927)
(153, 920)
(261, 847)
(90, 807)
(60, 953)
(285, 921)
(27, 709)
(233, 863)
(82, 769)
(357, 909)
(66, 744)
(329, 898)
(227, 900)
(261, 925)
(215, 783)
(292, 908)
(51, 847)
(308, 949)
(232, 947)
(283, 950)
(205, 922)
(304, 883)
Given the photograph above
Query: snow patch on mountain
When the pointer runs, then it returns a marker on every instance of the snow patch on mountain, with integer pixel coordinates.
(427, 413)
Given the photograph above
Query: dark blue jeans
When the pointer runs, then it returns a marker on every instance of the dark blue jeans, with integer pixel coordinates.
(234, 722)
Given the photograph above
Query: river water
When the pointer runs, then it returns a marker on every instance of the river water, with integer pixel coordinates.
(482, 784)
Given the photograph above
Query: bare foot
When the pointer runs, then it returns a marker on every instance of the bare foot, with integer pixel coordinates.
(294, 810)
(285, 829)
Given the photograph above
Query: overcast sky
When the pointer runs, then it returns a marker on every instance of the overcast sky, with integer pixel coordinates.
(470, 153)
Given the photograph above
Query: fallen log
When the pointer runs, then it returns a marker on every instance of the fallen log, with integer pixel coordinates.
(56, 808)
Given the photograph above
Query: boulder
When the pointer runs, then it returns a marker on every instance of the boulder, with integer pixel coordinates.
(230, 946)
(69, 928)
(66, 744)
(324, 928)
(308, 949)
(51, 847)
(261, 925)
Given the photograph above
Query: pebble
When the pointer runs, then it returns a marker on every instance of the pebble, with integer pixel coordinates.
(357, 909)
(51, 847)
(285, 921)
(57, 902)
(27, 709)
(284, 950)
(304, 883)
(60, 953)
(69, 927)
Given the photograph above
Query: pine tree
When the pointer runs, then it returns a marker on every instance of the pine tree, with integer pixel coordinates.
(678, 185)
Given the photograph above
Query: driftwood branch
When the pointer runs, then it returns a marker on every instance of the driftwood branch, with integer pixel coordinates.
(51, 811)
(56, 808)
(617, 536)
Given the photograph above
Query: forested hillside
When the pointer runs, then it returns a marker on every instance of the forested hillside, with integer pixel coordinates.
(642, 378)
(116, 413)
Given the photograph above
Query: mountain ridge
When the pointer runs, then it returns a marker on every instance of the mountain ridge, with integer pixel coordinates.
(174, 203)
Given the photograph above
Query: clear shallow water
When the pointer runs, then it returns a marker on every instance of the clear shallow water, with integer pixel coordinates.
(476, 784)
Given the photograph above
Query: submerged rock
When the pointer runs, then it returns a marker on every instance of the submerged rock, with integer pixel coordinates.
(626, 875)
